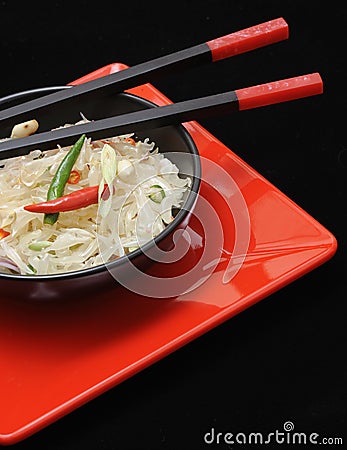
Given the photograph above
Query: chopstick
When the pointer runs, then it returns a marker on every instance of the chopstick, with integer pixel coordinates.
(227, 102)
(217, 49)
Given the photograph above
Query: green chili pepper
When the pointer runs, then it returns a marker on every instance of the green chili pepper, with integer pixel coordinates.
(57, 186)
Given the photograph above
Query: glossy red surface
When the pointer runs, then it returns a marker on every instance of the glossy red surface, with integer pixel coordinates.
(249, 39)
(58, 355)
(279, 91)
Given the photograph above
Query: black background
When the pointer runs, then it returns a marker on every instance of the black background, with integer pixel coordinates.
(284, 358)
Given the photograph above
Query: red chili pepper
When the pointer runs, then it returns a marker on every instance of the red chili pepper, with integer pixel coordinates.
(74, 177)
(130, 140)
(78, 199)
(3, 233)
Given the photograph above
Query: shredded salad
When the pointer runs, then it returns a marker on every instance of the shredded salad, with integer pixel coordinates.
(136, 190)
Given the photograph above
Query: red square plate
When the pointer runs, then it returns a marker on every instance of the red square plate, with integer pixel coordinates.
(58, 355)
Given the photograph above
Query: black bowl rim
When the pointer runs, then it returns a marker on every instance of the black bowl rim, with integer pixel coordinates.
(112, 265)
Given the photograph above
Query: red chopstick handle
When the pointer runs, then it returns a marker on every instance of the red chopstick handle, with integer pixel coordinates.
(249, 39)
(279, 91)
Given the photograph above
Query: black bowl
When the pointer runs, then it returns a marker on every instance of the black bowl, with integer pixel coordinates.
(173, 139)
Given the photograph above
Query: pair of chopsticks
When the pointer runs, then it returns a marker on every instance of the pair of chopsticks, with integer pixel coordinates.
(224, 47)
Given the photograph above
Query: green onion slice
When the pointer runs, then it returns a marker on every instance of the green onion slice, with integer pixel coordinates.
(39, 245)
(157, 193)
